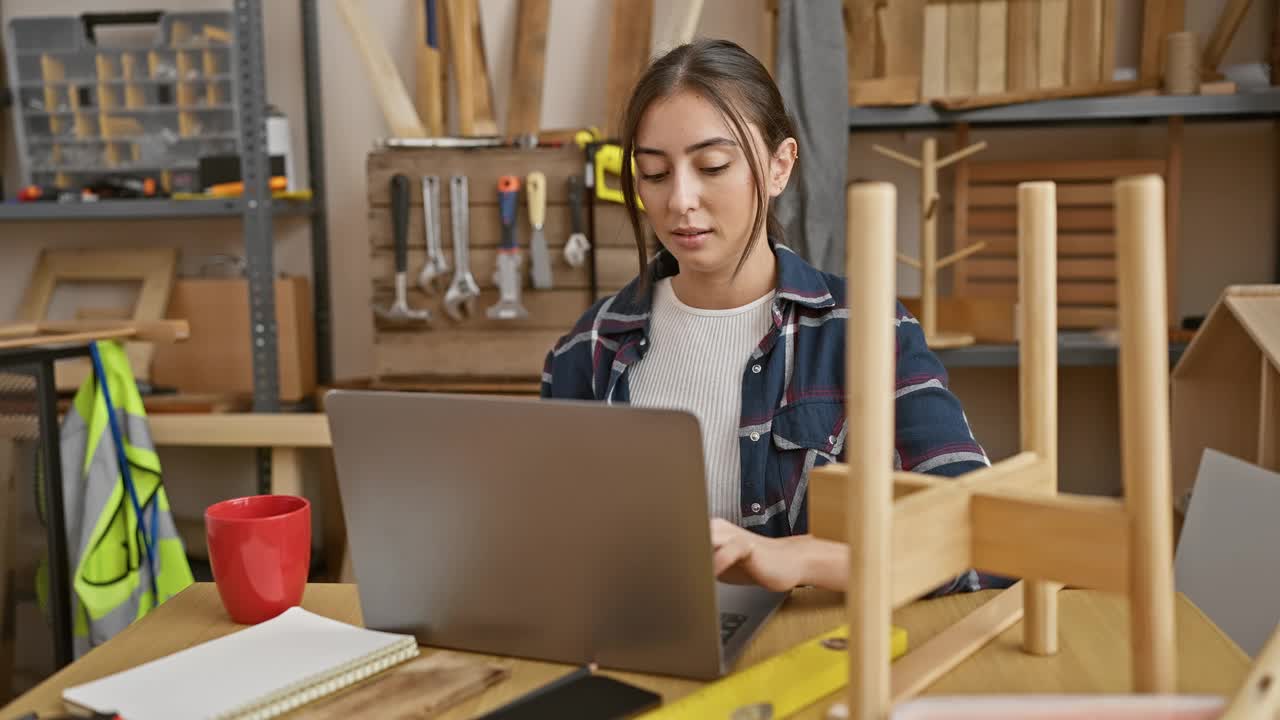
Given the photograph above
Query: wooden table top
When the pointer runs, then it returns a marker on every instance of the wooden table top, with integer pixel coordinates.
(1094, 655)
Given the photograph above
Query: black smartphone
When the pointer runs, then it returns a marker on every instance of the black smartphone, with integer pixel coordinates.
(590, 697)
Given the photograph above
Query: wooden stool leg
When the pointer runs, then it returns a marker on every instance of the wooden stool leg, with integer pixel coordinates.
(872, 244)
(1038, 379)
(1144, 417)
(286, 471)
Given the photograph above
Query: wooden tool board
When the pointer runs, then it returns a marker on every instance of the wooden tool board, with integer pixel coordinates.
(480, 347)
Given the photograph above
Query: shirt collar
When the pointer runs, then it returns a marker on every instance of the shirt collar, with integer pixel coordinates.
(798, 282)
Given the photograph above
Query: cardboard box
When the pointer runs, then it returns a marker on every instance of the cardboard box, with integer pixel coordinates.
(1226, 386)
(217, 358)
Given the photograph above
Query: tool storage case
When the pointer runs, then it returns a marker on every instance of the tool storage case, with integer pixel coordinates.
(145, 93)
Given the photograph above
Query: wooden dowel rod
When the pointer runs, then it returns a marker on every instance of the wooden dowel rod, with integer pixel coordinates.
(871, 242)
(906, 159)
(959, 255)
(1144, 428)
(962, 154)
(1038, 377)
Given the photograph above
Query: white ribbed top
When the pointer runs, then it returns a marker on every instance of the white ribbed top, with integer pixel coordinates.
(695, 362)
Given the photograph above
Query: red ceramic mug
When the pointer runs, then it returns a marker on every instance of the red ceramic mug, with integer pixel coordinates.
(260, 550)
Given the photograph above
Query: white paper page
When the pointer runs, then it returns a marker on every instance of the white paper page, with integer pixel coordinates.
(226, 673)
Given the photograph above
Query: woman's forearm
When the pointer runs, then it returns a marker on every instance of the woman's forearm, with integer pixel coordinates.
(825, 563)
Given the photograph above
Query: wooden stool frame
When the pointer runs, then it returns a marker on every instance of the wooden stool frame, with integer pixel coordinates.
(909, 532)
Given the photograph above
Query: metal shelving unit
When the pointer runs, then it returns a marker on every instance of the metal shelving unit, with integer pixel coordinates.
(256, 208)
(1261, 105)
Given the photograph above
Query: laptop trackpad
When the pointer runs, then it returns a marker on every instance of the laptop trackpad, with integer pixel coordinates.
(743, 609)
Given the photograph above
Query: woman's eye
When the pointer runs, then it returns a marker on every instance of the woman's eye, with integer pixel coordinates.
(652, 177)
(716, 170)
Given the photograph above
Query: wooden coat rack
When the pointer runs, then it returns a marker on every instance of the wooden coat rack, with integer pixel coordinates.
(928, 264)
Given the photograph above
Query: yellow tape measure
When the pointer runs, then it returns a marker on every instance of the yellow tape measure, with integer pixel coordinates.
(777, 687)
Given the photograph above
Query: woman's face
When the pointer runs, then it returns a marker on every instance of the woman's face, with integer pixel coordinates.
(695, 183)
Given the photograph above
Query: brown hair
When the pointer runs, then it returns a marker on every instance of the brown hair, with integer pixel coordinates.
(737, 85)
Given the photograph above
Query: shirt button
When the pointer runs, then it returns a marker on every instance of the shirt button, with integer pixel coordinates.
(755, 369)
(643, 341)
(755, 507)
(755, 436)
(831, 439)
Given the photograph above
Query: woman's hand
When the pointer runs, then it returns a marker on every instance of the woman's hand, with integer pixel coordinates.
(744, 558)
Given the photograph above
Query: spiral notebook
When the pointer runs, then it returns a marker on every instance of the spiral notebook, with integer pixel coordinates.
(260, 672)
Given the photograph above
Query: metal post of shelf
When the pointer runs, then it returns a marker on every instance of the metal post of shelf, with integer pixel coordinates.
(257, 217)
(315, 163)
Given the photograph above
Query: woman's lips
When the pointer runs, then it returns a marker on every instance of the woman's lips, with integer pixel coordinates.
(690, 240)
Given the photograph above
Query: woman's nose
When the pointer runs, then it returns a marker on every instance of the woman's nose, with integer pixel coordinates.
(684, 192)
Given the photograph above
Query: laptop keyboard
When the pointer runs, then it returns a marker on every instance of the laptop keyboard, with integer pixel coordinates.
(729, 624)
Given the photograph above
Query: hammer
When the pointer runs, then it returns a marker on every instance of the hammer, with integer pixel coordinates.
(400, 312)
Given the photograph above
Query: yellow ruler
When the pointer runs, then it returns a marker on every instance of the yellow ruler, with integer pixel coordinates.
(777, 687)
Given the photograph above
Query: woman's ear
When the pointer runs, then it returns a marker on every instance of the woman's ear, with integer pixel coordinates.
(781, 165)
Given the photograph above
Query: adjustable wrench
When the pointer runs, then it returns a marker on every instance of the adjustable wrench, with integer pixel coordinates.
(508, 277)
(463, 291)
(575, 249)
(435, 267)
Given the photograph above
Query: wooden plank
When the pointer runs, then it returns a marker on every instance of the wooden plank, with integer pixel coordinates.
(1069, 219)
(486, 123)
(933, 73)
(1023, 45)
(1107, 69)
(524, 111)
(1124, 87)
(1069, 194)
(1084, 43)
(1052, 68)
(862, 35)
(486, 229)
(926, 663)
(931, 541)
(464, 353)
(548, 309)
(1079, 293)
(431, 83)
(629, 33)
(1069, 244)
(1153, 28)
(1216, 46)
(886, 91)
(286, 471)
(993, 19)
(903, 39)
(1068, 269)
(1019, 170)
(1086, 317)
(1269, 417)
(962, 48)
(1090, 538)
(1173, 215)
(458, 19)
(397, 107)
(297, 430)
(615, 267)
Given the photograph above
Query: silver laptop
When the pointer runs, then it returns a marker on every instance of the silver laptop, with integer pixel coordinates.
(564, 531)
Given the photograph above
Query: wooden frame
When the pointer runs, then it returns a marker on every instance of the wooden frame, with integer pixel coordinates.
(901, 548)
(153, 267)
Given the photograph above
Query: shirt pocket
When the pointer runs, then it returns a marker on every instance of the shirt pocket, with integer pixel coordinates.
(817, 425)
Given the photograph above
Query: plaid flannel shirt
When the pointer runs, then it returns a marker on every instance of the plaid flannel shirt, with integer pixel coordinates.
(793, 415)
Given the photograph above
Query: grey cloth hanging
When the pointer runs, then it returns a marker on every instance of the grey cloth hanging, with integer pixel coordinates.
(812, 74)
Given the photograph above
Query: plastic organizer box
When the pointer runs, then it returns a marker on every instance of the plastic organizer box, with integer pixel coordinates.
(145, 94)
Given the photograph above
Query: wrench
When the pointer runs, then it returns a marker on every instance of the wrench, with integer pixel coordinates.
(400, 312)
(463, 291)
(575, 249)
(435, 267)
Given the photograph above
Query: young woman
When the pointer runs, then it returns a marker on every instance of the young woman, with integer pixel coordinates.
(727, 323)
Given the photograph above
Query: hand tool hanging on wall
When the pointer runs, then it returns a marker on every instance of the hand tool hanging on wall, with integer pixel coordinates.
(540, 259)
(463, 291)
(435, 267)
(507, 276)
(400, 310)
(576, 247)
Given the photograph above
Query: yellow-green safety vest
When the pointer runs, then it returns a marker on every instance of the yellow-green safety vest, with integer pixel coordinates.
(111, 582)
